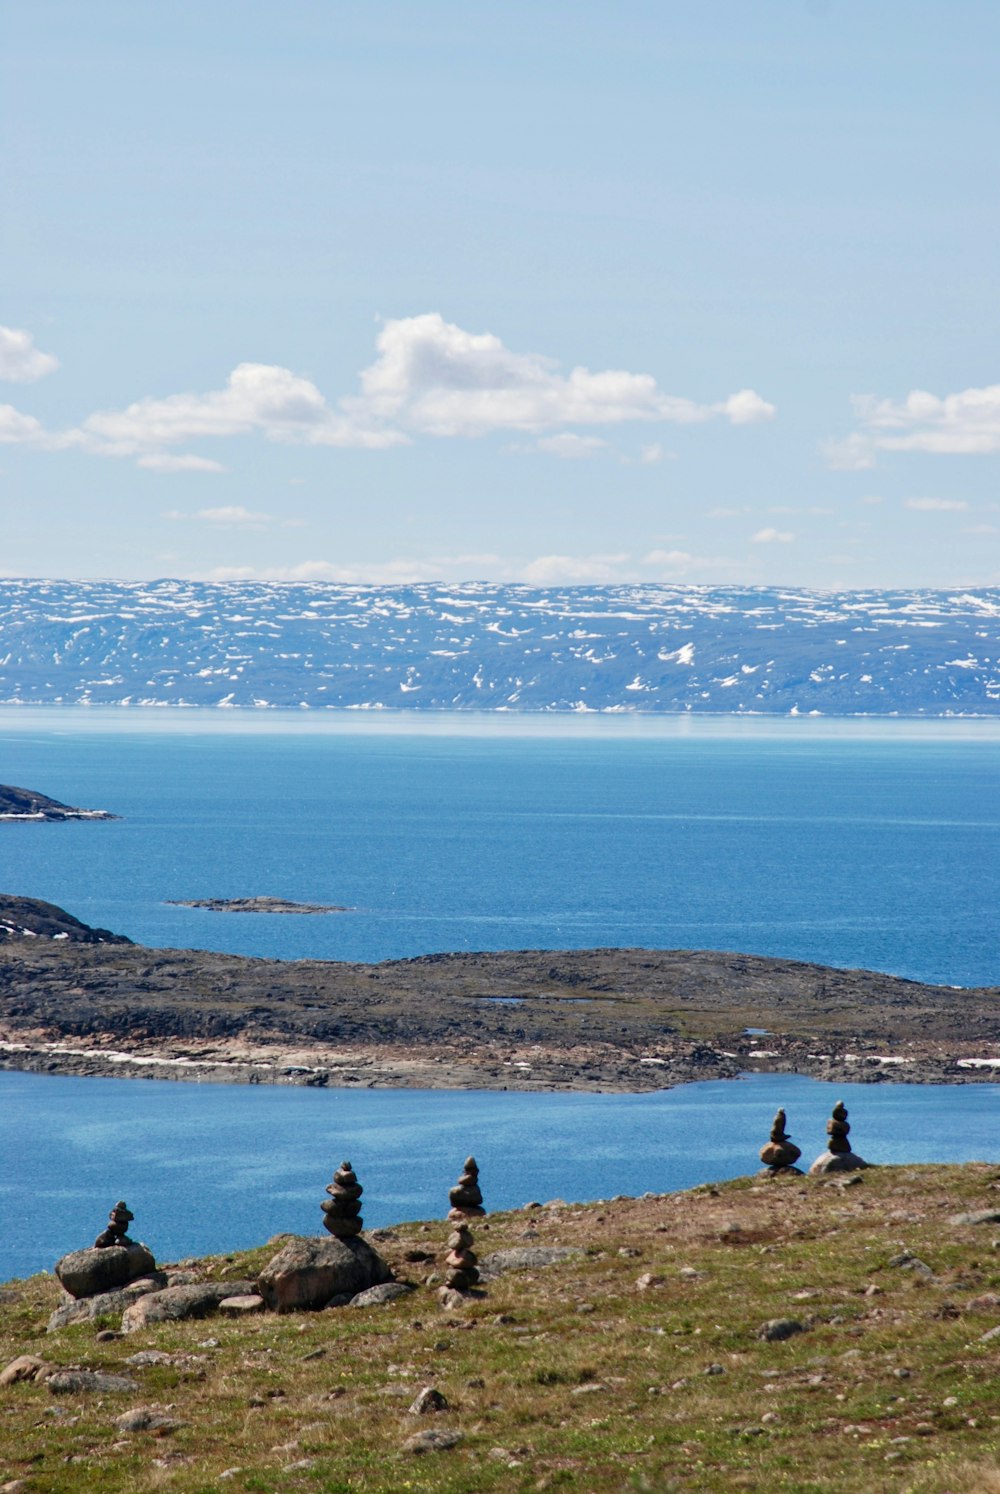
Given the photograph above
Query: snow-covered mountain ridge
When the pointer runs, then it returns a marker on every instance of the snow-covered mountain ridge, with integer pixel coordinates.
(493, 647)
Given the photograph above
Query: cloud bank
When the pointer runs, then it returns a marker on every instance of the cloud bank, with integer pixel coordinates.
(429, 378)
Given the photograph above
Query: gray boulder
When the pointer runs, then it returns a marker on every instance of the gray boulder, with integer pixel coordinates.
(524, 1258)
(105, 1304)
(176, 1304)
(88, 1273)
(828, 1162)
(89, 1382)
(387, 1292)
(309, 1270)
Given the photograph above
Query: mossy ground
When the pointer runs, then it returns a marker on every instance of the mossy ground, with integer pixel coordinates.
(576, 1376)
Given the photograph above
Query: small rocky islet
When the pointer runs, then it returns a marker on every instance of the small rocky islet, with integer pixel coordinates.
(261, 904)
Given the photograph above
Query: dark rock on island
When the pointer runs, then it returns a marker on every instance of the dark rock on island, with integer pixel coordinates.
(25, 918)
(25, 804)
(254, 905)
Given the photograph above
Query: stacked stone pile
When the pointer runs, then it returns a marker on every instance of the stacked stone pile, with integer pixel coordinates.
(838, 1156)
(116, 1233)
(780, 1154)
(342, 1211)
(461, 1260)
(465, 1198)
(112, 1261)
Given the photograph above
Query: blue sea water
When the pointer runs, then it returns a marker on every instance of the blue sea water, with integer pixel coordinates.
(870, 848)
(209, 1167)
(875, 847)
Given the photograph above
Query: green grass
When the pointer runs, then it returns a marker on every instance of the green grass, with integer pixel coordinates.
(891, 1390)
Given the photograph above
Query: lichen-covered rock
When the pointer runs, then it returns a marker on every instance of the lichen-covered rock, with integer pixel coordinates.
(87, 1273)
(176, 1304)
(89, 1382)
(309, 1270)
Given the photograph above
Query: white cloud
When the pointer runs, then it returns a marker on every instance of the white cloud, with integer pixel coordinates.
(936, 505)
(162, 461)
(17, 429)
(653, 453)
(671, 560)
(772, 537)
(572, 570)
(20, 361)
(228, 516)
(980, 529)
(434, 377)
(429, 378)
(747, 408)
(572, 447)
(966, 423)
(258, 397)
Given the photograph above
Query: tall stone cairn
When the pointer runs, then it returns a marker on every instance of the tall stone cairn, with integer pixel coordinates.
(342, 1210)
(839, 1156)
(116, 1233)
(465, 1198)
(780, 1154)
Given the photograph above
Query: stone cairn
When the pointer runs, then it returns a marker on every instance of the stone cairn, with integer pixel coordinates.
(342, 1211)
(780, 1154)
(466, 1203)
(838, 1156)
(119, 1219)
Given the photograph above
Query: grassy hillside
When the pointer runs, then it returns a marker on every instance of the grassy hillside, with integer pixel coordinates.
(637, 1364)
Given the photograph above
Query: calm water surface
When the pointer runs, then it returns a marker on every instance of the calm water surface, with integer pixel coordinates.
(856, 847)
(870, 849)
(212, 1167)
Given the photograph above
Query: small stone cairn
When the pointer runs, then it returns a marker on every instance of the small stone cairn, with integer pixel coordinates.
(111, 1262)
(780, 1154)
(119, 1219)
(461, 1261)
(342, 1211)
(838, 1156)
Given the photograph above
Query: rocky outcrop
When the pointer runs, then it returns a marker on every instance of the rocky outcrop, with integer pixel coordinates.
(29, 919)
(26, 804)
(308, 1271)
(178, 1303)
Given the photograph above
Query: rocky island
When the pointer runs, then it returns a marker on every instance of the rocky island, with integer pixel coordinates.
(254, 905)
(26, 804)
(83, 1001)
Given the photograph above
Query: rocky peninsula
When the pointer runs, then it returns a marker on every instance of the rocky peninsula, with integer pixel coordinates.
(83, 1001)
(26, 804)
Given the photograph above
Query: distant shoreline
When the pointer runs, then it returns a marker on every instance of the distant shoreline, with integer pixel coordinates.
(600, 1020)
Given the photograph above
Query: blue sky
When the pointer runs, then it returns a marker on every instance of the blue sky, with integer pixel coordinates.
(540, 292)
